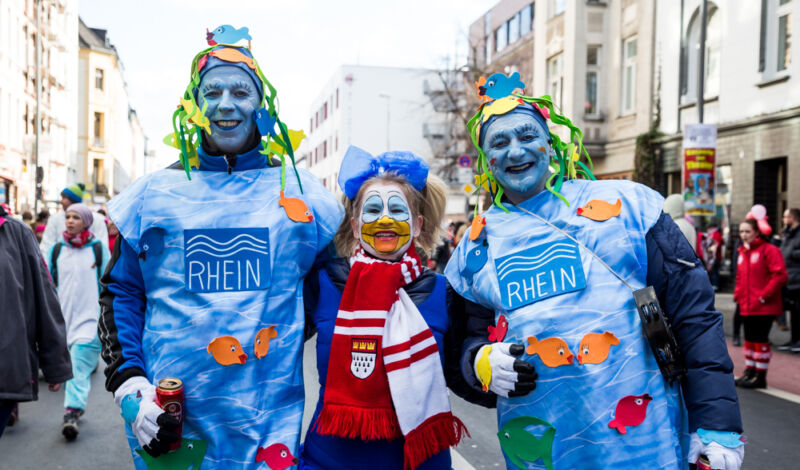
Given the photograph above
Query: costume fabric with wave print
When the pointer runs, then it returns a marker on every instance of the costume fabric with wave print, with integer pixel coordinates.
(579, 400)
(232, 264)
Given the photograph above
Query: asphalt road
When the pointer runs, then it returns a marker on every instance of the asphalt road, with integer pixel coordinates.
(771, 424)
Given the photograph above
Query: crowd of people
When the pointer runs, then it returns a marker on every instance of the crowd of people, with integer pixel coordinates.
(216, 270)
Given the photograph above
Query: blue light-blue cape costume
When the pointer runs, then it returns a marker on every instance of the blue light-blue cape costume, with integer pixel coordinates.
(548, 301)
(153, 325)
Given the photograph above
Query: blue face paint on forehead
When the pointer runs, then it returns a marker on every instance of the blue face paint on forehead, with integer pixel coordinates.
(517, 147)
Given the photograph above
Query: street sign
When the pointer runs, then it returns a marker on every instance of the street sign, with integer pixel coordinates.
(464, 161)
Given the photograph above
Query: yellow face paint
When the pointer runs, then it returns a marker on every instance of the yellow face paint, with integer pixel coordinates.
(386, 235)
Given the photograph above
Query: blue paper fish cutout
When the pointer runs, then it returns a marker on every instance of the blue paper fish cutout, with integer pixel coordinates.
(152, 242)
(476, 258)
(731, 440)
(498, 85)
(264, 122)
(226, 34)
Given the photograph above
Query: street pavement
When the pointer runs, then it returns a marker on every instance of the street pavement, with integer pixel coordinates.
(770, 419)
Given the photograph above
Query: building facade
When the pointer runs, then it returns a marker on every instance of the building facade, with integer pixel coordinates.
(750, 92)
(111, 144)
(376, 109)
(594, 58)
(58, 60)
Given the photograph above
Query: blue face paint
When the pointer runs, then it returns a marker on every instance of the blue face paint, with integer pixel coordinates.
(398, 210)
(232, 98)
(518, 151)
(372, 210)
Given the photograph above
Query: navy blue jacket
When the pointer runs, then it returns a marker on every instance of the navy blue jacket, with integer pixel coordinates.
(685, 293)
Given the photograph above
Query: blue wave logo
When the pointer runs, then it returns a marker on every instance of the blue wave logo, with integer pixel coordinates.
(539, 272)
(220, 260)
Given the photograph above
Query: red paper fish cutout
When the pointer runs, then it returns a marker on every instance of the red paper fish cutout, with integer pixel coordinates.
(227, 350)
(600, 210)
(594, 347)
(497, 333)
(276, 456)
(553, 351)
(631, 411)
(295, 208)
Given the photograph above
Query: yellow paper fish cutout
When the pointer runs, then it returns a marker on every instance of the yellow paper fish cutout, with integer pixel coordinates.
(484, 368)
(196, 115)
(233, 55)
(295, 137)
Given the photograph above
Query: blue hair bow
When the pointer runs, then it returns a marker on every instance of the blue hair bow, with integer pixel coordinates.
(358, 166)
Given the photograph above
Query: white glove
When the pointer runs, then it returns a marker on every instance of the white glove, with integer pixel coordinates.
(499, 371)
(153, 427)
(719, 456)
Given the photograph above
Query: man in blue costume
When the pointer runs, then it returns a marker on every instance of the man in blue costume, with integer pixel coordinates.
(553, 264)
(205, 283)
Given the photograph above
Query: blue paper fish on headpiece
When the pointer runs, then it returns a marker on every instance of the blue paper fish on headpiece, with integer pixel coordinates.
(359, 165)
(226, 34)
(498, 85)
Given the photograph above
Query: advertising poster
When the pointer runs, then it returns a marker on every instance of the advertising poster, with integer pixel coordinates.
(699, 152)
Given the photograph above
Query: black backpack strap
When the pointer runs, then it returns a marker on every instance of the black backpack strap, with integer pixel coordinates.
(53, 265)
(97, 246)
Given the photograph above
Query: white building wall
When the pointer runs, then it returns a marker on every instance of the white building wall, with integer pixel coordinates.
(743, 91)
(369, 97)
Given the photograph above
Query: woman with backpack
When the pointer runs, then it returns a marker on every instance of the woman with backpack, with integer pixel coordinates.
(77, 261)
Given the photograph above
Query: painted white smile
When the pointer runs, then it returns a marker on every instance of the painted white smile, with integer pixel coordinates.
(227, 124)
(519, 168)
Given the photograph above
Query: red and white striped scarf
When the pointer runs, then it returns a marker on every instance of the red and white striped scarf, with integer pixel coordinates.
(385, 377)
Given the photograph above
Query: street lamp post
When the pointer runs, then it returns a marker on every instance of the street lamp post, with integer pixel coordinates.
(388, 117)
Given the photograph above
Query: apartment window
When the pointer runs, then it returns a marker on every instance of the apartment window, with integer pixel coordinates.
(628, 101)
(775, 52)
(513, 29)
(592, 72)
(689, 72)
(311, 125)
(325, 149)
(337, 98)
(501, 37)
(98, 129)
(784, 41)
(526, 20)
(336, 144)
(555, 79)
(98, 78)
(557, 7)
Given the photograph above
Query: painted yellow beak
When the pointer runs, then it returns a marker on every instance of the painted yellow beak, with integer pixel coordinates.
(386, 235)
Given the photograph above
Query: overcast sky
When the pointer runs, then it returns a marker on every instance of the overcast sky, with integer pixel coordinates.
(298, 43)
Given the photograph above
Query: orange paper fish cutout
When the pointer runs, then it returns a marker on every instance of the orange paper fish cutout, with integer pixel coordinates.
(227, 350)
(553, 351)
(482, 81)
(262, 340)
(295, 208)
(232, 55)
(477, 227)
(600, 210)
(594, 347)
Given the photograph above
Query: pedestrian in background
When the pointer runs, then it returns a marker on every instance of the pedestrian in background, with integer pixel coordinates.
(712, 251)
(790, 247)
(760, 276)
(31, 326)
(673, 207)
(76, 263)
(72, 194)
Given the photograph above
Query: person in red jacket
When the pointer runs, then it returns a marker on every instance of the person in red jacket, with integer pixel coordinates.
(760, 275)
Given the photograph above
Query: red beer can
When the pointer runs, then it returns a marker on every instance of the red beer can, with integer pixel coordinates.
(703, 463)
(169, 396)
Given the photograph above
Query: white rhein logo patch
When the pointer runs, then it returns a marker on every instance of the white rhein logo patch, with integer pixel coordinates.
(363, 352)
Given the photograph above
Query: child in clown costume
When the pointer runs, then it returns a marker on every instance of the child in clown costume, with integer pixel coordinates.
(205, 282)
(382, 323)
(552, 267)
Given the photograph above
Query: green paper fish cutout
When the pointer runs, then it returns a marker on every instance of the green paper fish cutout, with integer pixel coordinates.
(520, 446)
(189, 456)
